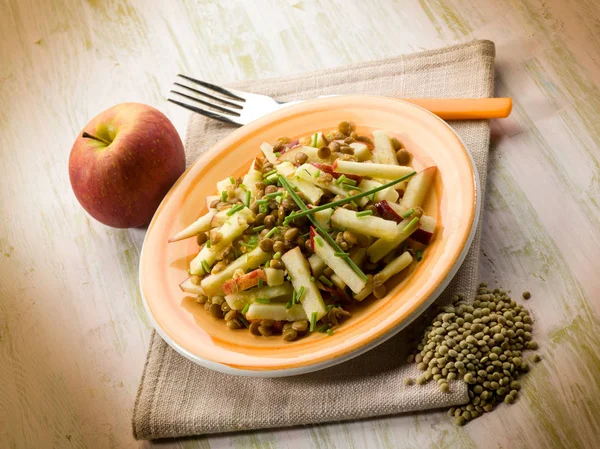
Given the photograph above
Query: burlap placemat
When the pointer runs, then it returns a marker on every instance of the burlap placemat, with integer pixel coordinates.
(178, 398)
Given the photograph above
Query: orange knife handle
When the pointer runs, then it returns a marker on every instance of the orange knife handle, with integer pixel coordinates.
(465, 108)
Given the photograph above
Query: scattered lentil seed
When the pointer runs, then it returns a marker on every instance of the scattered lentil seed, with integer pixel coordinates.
(526, 294)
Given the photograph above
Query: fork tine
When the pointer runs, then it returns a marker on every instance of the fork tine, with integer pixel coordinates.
(199, 92)
(213, 87)
(205, 113)
(205, 103)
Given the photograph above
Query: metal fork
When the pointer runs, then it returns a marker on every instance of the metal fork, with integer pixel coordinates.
(227, 105)
(240, 108)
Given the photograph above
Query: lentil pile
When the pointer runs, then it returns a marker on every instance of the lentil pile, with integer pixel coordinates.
(481, 343)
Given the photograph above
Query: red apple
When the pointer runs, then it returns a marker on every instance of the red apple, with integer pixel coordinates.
(124, 162)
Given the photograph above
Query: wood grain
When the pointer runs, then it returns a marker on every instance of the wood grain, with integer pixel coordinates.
(73, 333)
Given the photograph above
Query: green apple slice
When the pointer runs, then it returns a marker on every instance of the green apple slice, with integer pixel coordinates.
(202, 224)
(188, 286)
(274, 276)
(267, 150)
(311, 152)
(384, 151)
(367, 225)
(338, 264)
(418, 187)
(213, 283)
(276, 312)
(381, 171)
(316, 265)
(382, 248)
(238, 301)
(252, 178)
(299, 272)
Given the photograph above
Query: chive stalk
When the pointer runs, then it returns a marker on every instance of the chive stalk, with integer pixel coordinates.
(245, 309)
(325, 281)
(410, 227)
(244, 321)
(313, 321)
(234, 209)
(408, 213)
(248, 196)
(271, 232)
(263, 300)
(364, 213)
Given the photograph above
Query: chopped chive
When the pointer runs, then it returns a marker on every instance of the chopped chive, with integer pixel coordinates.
(245, 309)
(323, 328)
(294, 293)
(318, 241)
(272, 179)
(263, 300)
(247, 258)
(271, 232)
(258, 228)
(277, 154)
(248, 196)
(244, 321)
(205, 266)
(364, 213)
(315, 137)
(317, 174)
(330, 332)
(263, 208)
(330, 306)
(262, 201)
(342, 254)
(347, 186)
(410, 227)
(267, 264)
(306, 211)
(300, 293)
(234, 209)
(313, 321)
(232, 179)
(289, 305)
(277, 255)
(223, 196)
(325, 281)
(312, 279)
(340, 180)
(243, 186)
(208, 243)
(266, 175)
(419, 255)
(273, 195)
(408, 213)
(349, 181)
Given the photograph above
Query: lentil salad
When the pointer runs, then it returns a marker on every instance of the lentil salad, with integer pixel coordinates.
(316, 225)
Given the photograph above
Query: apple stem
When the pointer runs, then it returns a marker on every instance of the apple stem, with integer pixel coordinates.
(90, 136)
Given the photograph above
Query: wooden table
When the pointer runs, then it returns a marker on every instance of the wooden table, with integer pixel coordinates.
(73, 332)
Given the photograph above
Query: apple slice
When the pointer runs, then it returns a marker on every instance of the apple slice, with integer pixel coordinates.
(252, 178)
(213, 283)
(219, 218)
(393, 211)
(337, 281)
(382, 248)
(233, 227)
(274, 276)
(384, 151)
(316, 265)
(299, 272)
(389, 194)
(188, 286)
(394, 267)
(202, 224)
(323, 217)
(338, 264)
(362, 151)
(418, 187)
(267, 150)
(368, 225)
(308, 171)
(238, 301)
(244, 282)
(309, 191)
(381, 171)
(276, 312)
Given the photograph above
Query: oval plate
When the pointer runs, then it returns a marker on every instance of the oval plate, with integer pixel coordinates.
(184, 324)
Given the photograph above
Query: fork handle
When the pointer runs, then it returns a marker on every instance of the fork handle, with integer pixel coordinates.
(465, 108)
